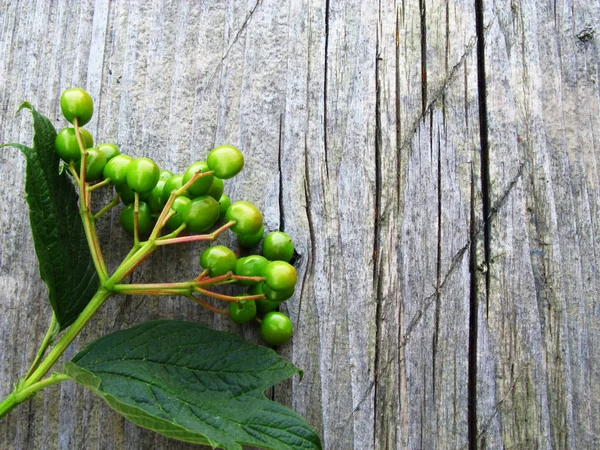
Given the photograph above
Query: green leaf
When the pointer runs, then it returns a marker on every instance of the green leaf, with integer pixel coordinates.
(64, 258)
(194, 384)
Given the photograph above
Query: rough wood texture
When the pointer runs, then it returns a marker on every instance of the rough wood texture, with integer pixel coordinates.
(436, 162)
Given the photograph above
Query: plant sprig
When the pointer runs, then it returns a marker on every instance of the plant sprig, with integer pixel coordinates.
(73, 267)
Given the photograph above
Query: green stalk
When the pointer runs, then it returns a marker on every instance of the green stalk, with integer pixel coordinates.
(72, 332)
(86, 216)
(130, 263)
(18, 397)
(184, 288)
(53, 330)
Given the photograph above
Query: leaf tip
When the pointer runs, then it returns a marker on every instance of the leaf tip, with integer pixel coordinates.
(24, 105)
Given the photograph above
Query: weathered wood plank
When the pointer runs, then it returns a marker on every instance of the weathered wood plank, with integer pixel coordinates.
(364, 122)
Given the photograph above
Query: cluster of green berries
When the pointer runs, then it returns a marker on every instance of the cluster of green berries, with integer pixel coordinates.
(279, 282)
(195, 210)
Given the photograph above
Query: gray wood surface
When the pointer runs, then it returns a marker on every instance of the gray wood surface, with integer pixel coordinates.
(435, 161)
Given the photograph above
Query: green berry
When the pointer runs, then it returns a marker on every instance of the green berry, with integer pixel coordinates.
(247, 217)
(76, 102)
(145, 220)
(251, 241)
(201, 214)
(276, 328)
(155, 196)
(180, 205)
(250, 266)
(142, 175)
(109, 151)
(278, 246)
(128, 195)
(224, 203)
(94, 164)
(243, 311)
(216, 189)
(226, 161)
(116, 169)
(279, 275)
(263, 306)
(172, 184)
(277, 296)
(202, 185)
(165, 174)
(218, 260)
(66, 144)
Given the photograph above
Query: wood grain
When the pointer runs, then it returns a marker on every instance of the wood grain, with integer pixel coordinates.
(435, 161)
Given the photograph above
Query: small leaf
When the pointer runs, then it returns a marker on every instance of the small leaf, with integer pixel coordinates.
(64, 258)
(194, 384)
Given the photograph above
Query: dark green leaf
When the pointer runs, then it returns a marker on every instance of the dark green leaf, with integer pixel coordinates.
(64, 258)
(194, 384)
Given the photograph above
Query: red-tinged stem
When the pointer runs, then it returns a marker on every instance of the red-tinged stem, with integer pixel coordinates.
(175, 233)
(202, 275)
(74, 172)
(157, 292)
(208, 306)
(243, 278)
(162, 219)
(212, 280)
(84, 209)
(183, 239)
(83, 166)
(136, 219)
(136, 265)
(196, 237)
(98, 253)
(228, 298)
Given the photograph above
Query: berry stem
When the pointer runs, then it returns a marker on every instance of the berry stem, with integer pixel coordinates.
(84, 210)
(243, 278)
(202, 275)
(83, 166)
(114, 202)
(134, 259)
(214, 280)
(196, 237)
(228, 298)
(136, 219)
(208, 305)
(99, 185)
(74, 172)
(175, 233)
(162, 219)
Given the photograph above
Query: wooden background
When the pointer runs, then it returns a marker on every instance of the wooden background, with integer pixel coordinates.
(435, 161)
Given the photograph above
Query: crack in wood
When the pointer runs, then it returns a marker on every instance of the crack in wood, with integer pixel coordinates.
(423, 25)
(237, 36)
(377, 225)
(430, 300)
(279, 150)
(473, 324)
(445, 84)
(325, 81)
(438, 268)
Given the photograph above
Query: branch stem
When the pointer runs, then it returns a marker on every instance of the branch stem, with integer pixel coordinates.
(66, 339)
(53, 330)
